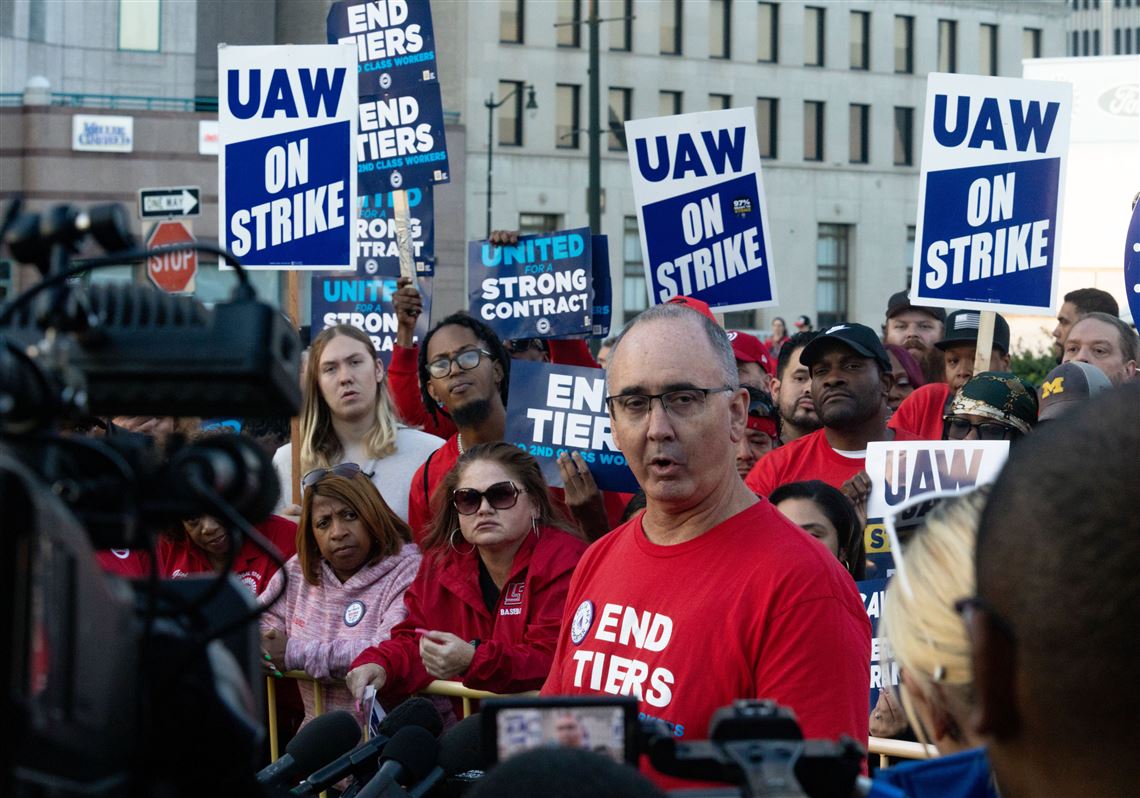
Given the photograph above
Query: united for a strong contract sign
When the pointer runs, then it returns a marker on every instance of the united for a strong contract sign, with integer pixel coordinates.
(700, 203)
(993, 170)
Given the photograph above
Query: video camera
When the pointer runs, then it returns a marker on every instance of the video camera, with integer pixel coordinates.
(121, 688)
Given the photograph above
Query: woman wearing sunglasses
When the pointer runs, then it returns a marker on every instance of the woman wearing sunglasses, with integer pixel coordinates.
(344, 589)
(486, 605)
(991, 406)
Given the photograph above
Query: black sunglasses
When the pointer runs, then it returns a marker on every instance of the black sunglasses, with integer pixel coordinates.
(346, 470)
(517, 346)
(957, 428)
(501, 496)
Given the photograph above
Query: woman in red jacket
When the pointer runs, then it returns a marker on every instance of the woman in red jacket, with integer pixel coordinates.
(487, 602)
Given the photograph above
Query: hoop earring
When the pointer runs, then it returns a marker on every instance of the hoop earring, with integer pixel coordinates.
(451, 544)
(534, 526)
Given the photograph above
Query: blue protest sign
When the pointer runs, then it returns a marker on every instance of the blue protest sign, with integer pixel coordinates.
(401, 140)
(364, 302)
(1132, 265)
(877, 550)
(537, 288)
(286, 176)
(701, 208)
(884, 669)
(989, 213)
(394, 41)
(603, 289)
(555, 409)
(377, 251)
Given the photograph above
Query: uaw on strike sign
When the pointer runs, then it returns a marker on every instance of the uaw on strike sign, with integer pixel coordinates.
(701, 209)
(286, 171)
(989, 213)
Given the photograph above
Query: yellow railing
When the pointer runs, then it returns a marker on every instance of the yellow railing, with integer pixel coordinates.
(883, 746)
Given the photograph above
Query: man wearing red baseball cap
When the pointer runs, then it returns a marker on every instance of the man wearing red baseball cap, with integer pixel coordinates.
(762, 434)
(753, 362)
(695, 304)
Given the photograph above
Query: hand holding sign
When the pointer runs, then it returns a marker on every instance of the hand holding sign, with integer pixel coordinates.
(409, 305)
(582, 495)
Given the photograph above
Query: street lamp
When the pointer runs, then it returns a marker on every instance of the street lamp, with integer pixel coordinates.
(491, 104)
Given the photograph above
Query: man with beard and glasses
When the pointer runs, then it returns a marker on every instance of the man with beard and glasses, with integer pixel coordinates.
(791, 390)
(850, 380)
(922, 412)
(916, 329)
(710, 594)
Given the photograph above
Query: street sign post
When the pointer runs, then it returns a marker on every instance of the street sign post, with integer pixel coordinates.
(173, 272)
(165, 203)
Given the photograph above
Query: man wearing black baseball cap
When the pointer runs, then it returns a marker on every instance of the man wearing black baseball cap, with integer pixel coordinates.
(922, 412)
(850, 380)
(916, 329)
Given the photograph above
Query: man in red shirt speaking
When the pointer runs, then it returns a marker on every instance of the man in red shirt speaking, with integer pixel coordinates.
(709, 595)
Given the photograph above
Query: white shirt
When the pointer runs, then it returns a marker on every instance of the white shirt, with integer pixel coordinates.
(392, 475)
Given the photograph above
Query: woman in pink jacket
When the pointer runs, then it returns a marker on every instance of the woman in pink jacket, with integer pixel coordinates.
(344, 589)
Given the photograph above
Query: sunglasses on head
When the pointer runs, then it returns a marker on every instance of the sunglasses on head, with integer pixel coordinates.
(346, 470)
(517, 346)
(501, 496)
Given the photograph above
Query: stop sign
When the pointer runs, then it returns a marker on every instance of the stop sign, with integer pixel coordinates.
(171, 271)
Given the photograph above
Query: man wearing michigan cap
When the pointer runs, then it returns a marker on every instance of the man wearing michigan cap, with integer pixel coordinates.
(922, 411)
(1067, 386)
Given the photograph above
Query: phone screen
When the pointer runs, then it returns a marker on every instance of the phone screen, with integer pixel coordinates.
(601, 729)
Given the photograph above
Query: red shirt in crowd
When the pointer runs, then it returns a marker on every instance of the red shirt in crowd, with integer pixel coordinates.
(922, 411)
(809, 457)
(753, 608)
(127, 563)
(180, 557)
(517, 639)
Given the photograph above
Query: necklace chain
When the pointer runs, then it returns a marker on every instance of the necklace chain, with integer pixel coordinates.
(459, 438)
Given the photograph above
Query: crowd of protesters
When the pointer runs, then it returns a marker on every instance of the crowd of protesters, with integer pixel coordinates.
(423, 547)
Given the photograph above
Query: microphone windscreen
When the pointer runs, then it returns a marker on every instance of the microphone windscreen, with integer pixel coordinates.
(415, 748)
(417, 711)
(322, 740)
(461, 748)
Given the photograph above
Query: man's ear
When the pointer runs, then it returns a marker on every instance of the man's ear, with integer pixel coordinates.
(774, 385)
(993, 658)
(886, 381)
(431, 392)
(379, 370)
(738, 410)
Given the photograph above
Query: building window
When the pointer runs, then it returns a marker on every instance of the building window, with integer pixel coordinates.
(1085, 42)
(620, 101)
(767, 123)
(140, 23)
(1074, 45)
(1031, 43)
(909, 262)
(569, 23)
(621, 29)
(860, 39)
(813, 130)
(988, 50)
(668, 103)
(1116, 41)
(538, 223)
(37, 22)
(813, 36)
(831, 250)
(720, 29)
(511, 21)
(904, 45)
(904, 136)
(1096, 42)
(1128, 40)
(510, 114)
(671, 27)
(720, 102)
(634, 297)
(740, 320)
(860, 117)
(767, 32)
(947, 45)
(566, 124)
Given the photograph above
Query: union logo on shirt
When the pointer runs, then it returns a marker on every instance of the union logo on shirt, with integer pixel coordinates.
(251, 579)
(514, 594)
(353, 613)
(583, 620)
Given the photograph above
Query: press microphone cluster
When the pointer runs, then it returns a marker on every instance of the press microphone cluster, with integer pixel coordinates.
(317, 744)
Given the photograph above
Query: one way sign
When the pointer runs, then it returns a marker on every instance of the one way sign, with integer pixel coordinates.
(162, 203)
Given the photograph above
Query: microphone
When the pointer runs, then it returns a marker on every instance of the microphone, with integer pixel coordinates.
(360, 762)
(322, 740)
(461, 749)
(409, 757)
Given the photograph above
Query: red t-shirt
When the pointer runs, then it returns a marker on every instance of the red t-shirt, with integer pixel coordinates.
(809, 457)
(922, 411)
(127, 563)
(179, 558)
(753, 608)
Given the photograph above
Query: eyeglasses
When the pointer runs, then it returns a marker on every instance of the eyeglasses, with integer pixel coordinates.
(501, 496)
(518, 346)
(966, 607)
(682, 403)
(346, 470)
(957, 428)
(466, 360)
